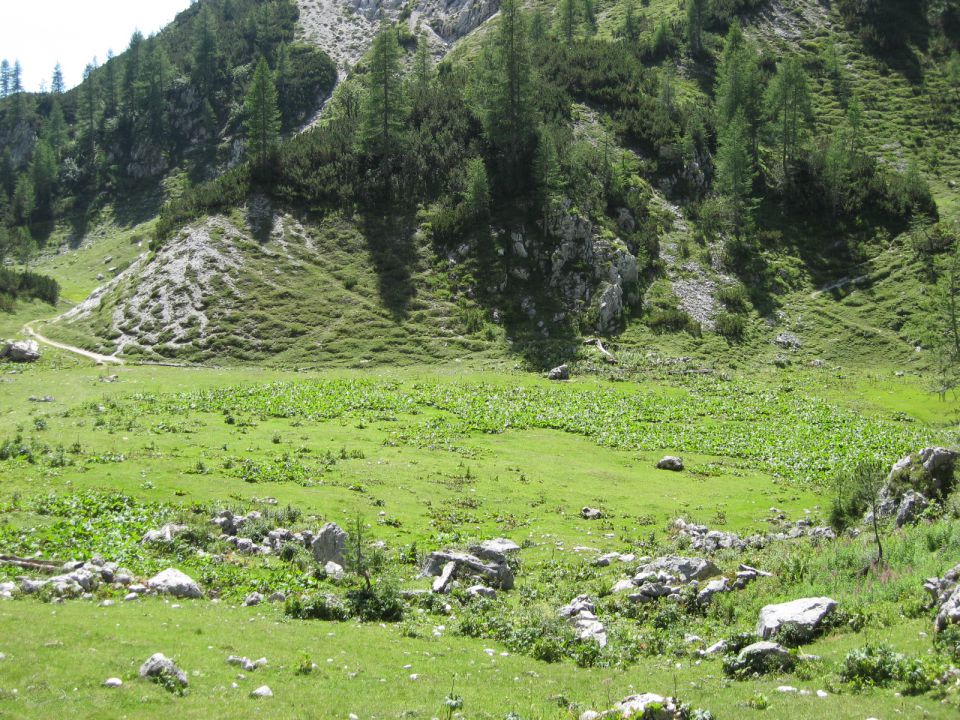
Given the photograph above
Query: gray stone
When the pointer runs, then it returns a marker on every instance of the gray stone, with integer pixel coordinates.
(176, 583)
(670, 462)
(684, 569)
(646, 706)
(20, 351)
(561, 372)
(334, 570)
(113, 682)
(481, 591)
(497, 574)
(253, 599)
(330, 544)
(805, 613)
(262, 692)
(705, 596)
(589, 513)
(766, 655)
(444, 580)
(166, 534)
(912, 505)
(159, 667)
(579, 604)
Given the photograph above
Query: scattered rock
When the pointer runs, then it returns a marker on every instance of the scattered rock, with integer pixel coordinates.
(705, 596)
(561, 372)
(262, 692)
(580, 612)
(113, 682)
(670, 462)
(589, 513)
(788, 341)
(494, 569)
(246, 663)
(682, 568)
(806, 614)
(166, 534)
(764, 657)
(912, 505)
(334, 570)
(159, 667)
(945, 593)
(445, 579)
(253, 599)
(482, 591)
(648, 706)
(330, 544)
(176, 583)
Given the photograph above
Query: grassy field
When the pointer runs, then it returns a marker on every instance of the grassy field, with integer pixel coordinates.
(430, 458)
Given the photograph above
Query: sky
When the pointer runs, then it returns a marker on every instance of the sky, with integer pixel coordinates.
(41, 33)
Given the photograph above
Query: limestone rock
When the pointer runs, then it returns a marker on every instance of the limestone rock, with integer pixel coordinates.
(159, 667)
(20, 351)
(805, 613)
(330, 544)
(670, 462)
(589, 513)
(684, 569)
(561, 372)
(176, 583)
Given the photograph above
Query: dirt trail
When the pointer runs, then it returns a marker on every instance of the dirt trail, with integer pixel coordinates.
(96, 357)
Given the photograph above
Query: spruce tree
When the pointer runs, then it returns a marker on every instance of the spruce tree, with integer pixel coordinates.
(568, 20)
(57, 86)
(55, 128)
(89, 107)
(422, 74)
(631, 27)
(383, 112)
(43, 174)
(111, 101)
(262, 115)
(16, 78)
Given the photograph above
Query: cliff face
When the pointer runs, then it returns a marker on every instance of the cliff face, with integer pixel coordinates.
(344, 29)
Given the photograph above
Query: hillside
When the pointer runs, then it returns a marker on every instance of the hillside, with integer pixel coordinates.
(494, 359)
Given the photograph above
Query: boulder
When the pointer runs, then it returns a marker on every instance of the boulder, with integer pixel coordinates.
(805, 613)
(445, 579)
(705, 596)
(683, 569)
(160, 668)
(20, 351)
(330, 544)
(912, 505)
(481, 591)
(561, 372)
(763, 657)
(262, 692)
(497, 547)
(579, 604)
(929, 472)
(334, 570)
(670, 462)
(176, 583)
(253, 599)
(589, 513)
(496, 572)
(113, 682)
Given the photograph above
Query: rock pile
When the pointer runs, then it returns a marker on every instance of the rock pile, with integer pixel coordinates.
(945, 593)
(581, 614)
(488, 564)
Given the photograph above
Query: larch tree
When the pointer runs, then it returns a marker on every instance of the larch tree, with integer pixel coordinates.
(735, 170)
(568, 20)
(508, 115)
(206, 53)
(262, 115)
(739, 84)
(5, 76)
(383, 112)
(789, 109)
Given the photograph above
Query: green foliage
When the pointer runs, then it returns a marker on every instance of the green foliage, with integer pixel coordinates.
(27, 285)
(262, 115)
(730, 326)
(384, 108)
(872, 666)
(378, 602)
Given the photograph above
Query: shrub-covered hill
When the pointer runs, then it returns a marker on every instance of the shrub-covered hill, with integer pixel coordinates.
(746, 179)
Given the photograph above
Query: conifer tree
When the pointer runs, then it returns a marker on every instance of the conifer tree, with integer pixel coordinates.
(735, 170)
(789, 109)
(111, 101)
(89, 105)
(55, 128)
(57, 86)
(206, 54)
(383, 111)
(568, 20)
(631, 26)
(696, 21)
(262, 115)
(43, 174)
(739, 85)
(422, 74)
(5, 76)
(16, 78)
(508, 115)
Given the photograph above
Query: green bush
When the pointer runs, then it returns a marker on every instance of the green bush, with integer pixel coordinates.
(379, 602)
(320, 606)
(734, 298)
(872, 666)
(730, 326)
(672, 320)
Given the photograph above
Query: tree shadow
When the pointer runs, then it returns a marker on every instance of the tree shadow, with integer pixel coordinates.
(389, 239)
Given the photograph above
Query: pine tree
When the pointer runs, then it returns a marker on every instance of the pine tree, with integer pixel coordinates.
(24, 200)
(16, 79)
(735, 170)
(57, 86)
(422, 74)
(538, 26)
(383, 112)
(477, 194)
(262, 115)
(590, 15)
(132, 70)
(696, 20)
(89, 106)
(156, 72)
(789, 108)
(111, 100)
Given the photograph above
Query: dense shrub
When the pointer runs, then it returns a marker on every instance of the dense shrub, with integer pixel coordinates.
(379, 602)
(319, 606)
(730, 326)
(872, 665)
(672, 320)
(26, 285)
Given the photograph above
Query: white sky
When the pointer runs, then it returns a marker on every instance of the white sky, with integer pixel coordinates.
(41, 33)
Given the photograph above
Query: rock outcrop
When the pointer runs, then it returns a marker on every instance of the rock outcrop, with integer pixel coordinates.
(805, 614)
